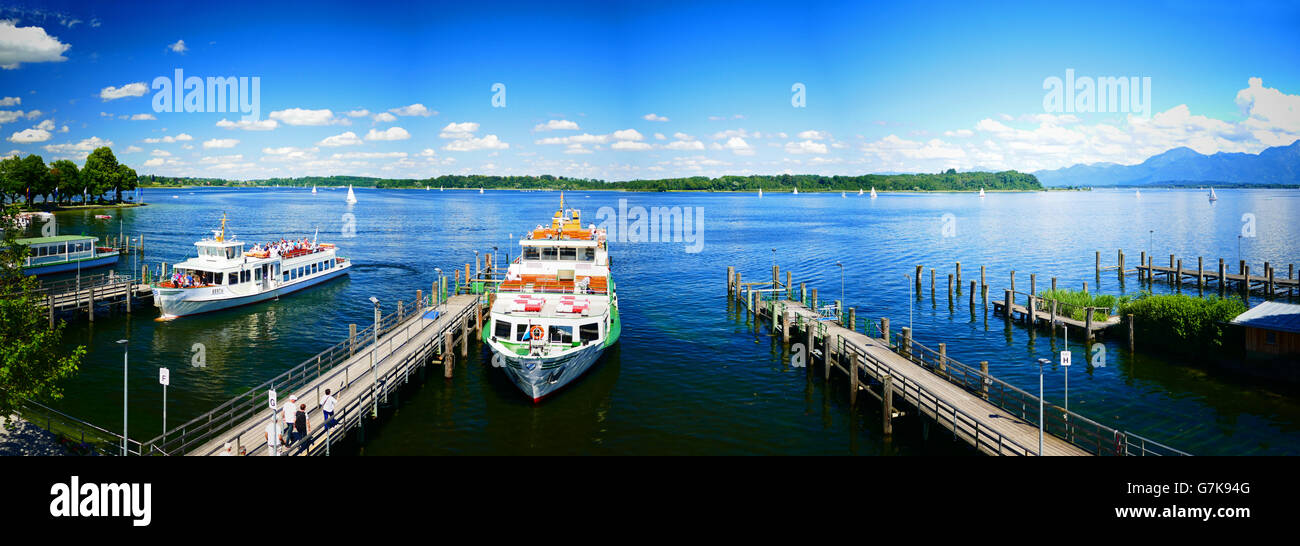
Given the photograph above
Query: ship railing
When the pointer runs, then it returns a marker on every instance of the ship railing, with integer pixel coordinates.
(75, 435)
(201, 429)
(1080, 431)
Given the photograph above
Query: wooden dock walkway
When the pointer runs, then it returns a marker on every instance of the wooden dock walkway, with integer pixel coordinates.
(362, 373)
(1270, 283)
(992, 416)
(82, 296)
(1038, 310)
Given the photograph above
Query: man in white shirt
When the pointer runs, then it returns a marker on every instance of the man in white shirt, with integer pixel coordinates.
(273, 438)
(327, 407)
(289, 410)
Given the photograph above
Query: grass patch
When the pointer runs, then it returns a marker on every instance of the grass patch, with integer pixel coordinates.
(1185, 324)
(1077, 300)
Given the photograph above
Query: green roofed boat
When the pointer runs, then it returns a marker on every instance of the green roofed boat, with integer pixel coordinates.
(65, 253)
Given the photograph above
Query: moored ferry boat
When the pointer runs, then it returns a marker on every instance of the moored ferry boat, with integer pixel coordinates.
(556, 311)
(63, 253)
(224, 275)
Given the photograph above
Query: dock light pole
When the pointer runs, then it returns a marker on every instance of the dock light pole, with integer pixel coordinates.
(374, 370)
(1239, 248)
(475, 264)
(124, 345)
(437, 295)
(909, 303)
(1041, 361)
(841, 264)
(494, 260)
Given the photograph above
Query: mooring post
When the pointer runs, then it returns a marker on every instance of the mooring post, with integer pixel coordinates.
(731, 278)
(887, 394)
(129, 285)
(478, 318)
(1013, 280)
(809, 333)
(803, 294)
(884, 330)
(1178, 276)
(984, 379)
(853, 379)
(1033, 284)
(950, 288)
(1030, 317)
(839, 312)
(932, 282)
(906, 344)
(829, 343)
(1085, 287)
(1006, 304)
(776, 276)
(448, 347)
(917, 278)
(419, 300)
(789, 285)
(1053, 317)
(352, 339)
(1130, 332)
(1121, 262)
(957, 272)
(1098, 261)
(943, 358)
(1222, 274)
(739, 288)
(464, 340)
(400, 311)
(785, 327)
(90, 304)
(1053, 284)
(1271, 287)
(1087, 314)
(972, 294)
(982, 283)
(1245, 283)
(853, 319)
(1200, 272)
(1142, 262)
(814, 301)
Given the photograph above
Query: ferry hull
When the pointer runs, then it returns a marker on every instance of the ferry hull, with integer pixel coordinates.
(541, 376)
(70, 266)
(180, 302)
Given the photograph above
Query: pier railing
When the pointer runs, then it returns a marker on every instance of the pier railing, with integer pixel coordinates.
(201, 429)
(1076, 429)
(86, 436)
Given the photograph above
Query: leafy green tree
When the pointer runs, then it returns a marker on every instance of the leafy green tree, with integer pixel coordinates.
(67, 179)
(10, 185)
(126, 180)
(101, 173)
(35, 177)
(32, 363)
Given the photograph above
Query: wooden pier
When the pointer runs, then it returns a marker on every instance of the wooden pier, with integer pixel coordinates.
(1267, 281)
(1041, 311)
(81, 296)
(992, 416)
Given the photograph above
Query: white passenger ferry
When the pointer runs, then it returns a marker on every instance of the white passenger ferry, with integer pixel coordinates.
(556, 311)
(224, 275)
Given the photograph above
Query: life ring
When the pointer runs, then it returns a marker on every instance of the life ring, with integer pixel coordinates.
(537, 332)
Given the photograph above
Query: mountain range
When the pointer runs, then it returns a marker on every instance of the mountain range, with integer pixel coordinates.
(1275, 165)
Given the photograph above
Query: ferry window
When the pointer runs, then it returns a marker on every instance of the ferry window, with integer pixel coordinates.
(230, 253)
(589, 332)
(286, 276)
(243, 277)
(568, 253)
(548, 253)
(587, 255)
(40, 251)
(520, 328)
(531, 253)
(257, 274)
(561, 334)
(502, 329)
(63, 247)
(313, 268)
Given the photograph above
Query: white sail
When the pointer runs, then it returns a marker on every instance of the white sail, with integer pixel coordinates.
(859, 191)
(1213, 197)
(480, 190)
(1138, 194)
(873, 192)
(842, 196)
(796, 191)
(313, 189)
(760, 193)
(426, 188)
(352, 197)
(981, 192)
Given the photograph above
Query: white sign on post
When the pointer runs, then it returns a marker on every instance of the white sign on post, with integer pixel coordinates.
(271, 396)
(1065, 358)
(164, 378)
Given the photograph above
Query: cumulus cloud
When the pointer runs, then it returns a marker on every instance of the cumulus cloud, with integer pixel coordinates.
(358, 113)
(556, 125)
(416, 109)
(805, 147)
(814, 135)
(220, 143)
(28, 45)
(137, 89)
(652, 117)
(392, 133)
(629, 145)
(301, 116)
(346, 139)
(627, 134)
(385, 117)
(247, 125)
(80, 149)
(470, 144)
(11, 101)
(738, 146)
(459, 130)
(178, 47)
(27, 136)
(178, 138)
(141, 117)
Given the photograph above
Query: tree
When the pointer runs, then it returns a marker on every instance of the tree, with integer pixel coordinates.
(66, 178)
(100, 173)
(31, 360)
(10, 186)
(126, 180)
(34, 177)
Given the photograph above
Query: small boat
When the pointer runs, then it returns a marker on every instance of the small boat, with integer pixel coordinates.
(981, 192)
(352, 197)
(760, 193)
(480, 191)
(102, 217)
(313, 189)
(62, 253)
(859, 191)
(1213, 197)
(439, 188)
(1138, 194)
(176, 197)
(796, 191)
(426, 188)
(873, 192)
(224, 275)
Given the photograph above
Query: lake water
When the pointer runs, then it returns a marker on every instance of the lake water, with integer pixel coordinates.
(688, 376)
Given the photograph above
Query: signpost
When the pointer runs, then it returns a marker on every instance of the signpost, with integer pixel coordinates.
(164, 378)
(270, 395)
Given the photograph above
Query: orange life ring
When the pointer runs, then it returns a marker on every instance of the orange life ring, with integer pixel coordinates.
(538, 332)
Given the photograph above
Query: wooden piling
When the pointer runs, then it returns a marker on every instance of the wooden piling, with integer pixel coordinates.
(1271, 287)
(982, 283)
(1222, 274)
(90, 304)
(943, 357)
(931, 281)
(448, 359)
(803, 293)
(919, 269)
(130, 286)
(785, 327)
(950, 287)
(400, 311)
(419, 300)
(1013, 280)
(814, 300)
(1178, 277)
(1085, 287)
(829, 344)
(1054, 302)
(906, 343)
(464, 340)
(853, 379)
(1245, 281)
(1087, 313)
(972, 293)
(810, 332)
(853, 319)
(1121, 262)
(1200, 272)
(731, 279)
(1142, 261)
(352, 339)
(957, 272)
(1098, 261)
(776, 276)
(887, 395)
(1130, 332)
(478, 318)
(1033, 284)
(984, 382)
(1006, 304)
(1029, 316)
(789, 290)
(884, 330)
(1053, 284)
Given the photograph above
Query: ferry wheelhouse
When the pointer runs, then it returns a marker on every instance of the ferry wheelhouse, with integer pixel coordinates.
(63, 253)
(224, 275)
(556, 311)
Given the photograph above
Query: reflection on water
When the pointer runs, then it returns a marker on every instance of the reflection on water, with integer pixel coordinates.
(689, 375)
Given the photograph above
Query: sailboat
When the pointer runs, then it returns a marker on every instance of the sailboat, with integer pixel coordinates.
(873, 192)
(760, 193)
(352, 197)
(439, 188)
(842, 196)
(1213, 197)
(480, 190)
(1138, 194)
(426, 188)
(796, 191)
(859, 192)
(313, 189)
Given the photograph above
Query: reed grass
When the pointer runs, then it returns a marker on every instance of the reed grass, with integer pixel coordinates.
(1074, 303)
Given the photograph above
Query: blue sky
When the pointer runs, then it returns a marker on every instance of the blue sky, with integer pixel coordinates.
(643, 90)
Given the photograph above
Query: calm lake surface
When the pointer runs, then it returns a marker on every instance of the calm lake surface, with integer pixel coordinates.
(688, 376)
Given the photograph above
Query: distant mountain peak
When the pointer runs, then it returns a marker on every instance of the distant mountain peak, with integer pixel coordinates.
(1275, 165)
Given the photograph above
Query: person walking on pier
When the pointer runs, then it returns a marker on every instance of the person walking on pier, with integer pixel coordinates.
(273, 438)
(290, 415)
(301, 426)
(327, 407)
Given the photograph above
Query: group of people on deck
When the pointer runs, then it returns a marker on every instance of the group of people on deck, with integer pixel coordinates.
(185, 280)
(276, 248)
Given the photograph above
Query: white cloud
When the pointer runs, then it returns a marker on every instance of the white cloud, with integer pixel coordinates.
(358, 113)
(346, 139)
(459, 130)
(629, 145)
(814, 135)
(805, 147)
(133, 149)
(584, 138)
(220, 143)
(652, 117)
(137, 89)
(470, 144)
(28, 45)
(160, 153)
(392, 133)
(155, 162)
(178, 47)
(169, 139)
(416, 109)
(685, 145)
(141, 117)
(27, 136)
(247, 125)
(300, 116)
(80, 149)
(1272, 116)
(627, 134)
(660, 136)
(738, 146)
(369, 155)
(11, 101)
(291, 153)
(556, 125)
(47, 125)
(576, 149)
(959, 133)
(385, 117)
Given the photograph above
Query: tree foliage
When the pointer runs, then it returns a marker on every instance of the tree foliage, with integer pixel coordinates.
(1186, 325)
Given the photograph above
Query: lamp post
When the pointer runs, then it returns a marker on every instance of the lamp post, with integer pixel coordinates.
(1041, 361)
(909, 303)
(475, 265)
(374, 370)
(124, 345)
(841, 264)
(494, 260)
(437, 294)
